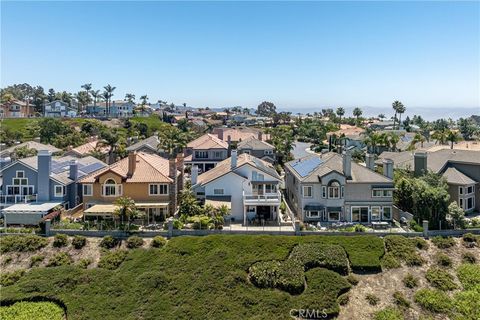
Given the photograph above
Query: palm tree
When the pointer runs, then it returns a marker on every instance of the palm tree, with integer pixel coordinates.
(144, 99)
(130, 97)
(416, 139)
(357, 112)
(393, 140)
(95, 94)
(396, 105)
(88, 88)
(110, 139)
(172, 140)
(440, 136)
(401, 109)
(108, 94)
(453, 137)
(126, 209)
(340, 112)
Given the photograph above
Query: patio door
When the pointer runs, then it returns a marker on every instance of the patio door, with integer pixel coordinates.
(264, 212)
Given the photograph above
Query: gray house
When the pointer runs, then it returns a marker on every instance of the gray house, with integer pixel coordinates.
(206, 151)
(34, 186)
(461, 169)
(257, 148)
(332, 188)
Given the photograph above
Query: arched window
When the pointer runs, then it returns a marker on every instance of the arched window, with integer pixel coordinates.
(111, 189)
(334, 188)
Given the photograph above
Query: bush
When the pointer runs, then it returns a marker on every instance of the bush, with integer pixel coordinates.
(360, 228)
(36, 260)
(469, 237)
(443, 242)
(26, 310)
(388, 313)
(7, 279)
(433, 300)
(466, 305)
(443, 260)
(353, 280)
(440, 279)
(420, 243)
(60, 259)
(343, 299)
(112, 260)
(22, 243)
(78, 242)
(312, 255)
(84, 263)
(415, 226)
(403, 249)
(286, 275)
(469, 276)
(60, 240)
(134, 242)
(390, 262)
(6, 261)
(400, 300)
(372, 299)
(410, 281)
(109, 242)
(158, 242)
(468, 257)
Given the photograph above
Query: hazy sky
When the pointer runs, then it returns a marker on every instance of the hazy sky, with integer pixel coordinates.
(296, 54)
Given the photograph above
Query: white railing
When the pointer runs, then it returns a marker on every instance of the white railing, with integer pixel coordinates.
(17, 198)
(262, 197)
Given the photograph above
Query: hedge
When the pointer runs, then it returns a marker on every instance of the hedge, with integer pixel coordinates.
(311, 255)
(404, 249)
(60, 259)
(9, 278)
(440, 279)
(32, 310)
(286, 275)
(22, 243)
(433, 300)
(112, 260)
(469, 276)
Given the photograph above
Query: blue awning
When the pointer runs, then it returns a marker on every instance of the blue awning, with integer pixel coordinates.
(313, 207)
(334, 209)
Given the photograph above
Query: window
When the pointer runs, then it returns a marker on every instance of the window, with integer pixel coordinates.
(461, 203)
(218, 154)
(270, 188)
(333, 216)
(111, 189)
(157, 189)
(359, 214)
(19, 181)
(201, 154)
(260, 177)
(87, 189)
(312, 214)
(334, 190)
(387, 213)
(20, 174)
(375, 215)
(470, 203)
(59, 191)
(268, 152)
(376, 193)
(470, 189)
(218, 191)
(307, 191)
(460, 190)
(324, 191)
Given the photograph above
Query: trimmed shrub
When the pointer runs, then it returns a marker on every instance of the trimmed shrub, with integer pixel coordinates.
(403, 249)
(109, 242)
(84, 263)
(410, 281)
(78, 242)
(415, 226)
(286, 275)
(26, 310)
(312, 255)
(134, 242)
(60, 259)
(469, 276)
(353, 280)
(22, 243)
(60, 240)
(36, 260)
(443, 242)
(440, 279)
(112, 260)
(443, 260)
(158, 242)
(466, 305)
(388, 313)
(420, 243)
(400, 300)
(469, 237)
(468, 257)
(360, 228)
(372, 299)
(433, 300)
(390, 262)
(9, 278)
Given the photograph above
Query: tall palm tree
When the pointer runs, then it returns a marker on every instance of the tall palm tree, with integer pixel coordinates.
(418, 138)
(144, 99)
(126, 209)
(357, 112)
(108, 94)
(393, 141)
(110, 139)
(440, 136)
(396, 105)
(172, 140)
(453, 137)
(340, 112)
(95, 94)
(88, 88)
(400, 110)
(130, 97)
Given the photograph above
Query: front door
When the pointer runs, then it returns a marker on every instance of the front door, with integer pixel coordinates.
(263, 212)
(364, 214)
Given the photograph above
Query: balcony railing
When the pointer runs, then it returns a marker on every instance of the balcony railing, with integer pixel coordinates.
(259, 198)
(17, 198)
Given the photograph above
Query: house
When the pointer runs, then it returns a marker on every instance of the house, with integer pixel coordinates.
(239, 134)
(148, 145)
(59, 109)
(151, 181)
(332, 188)
(117, 109)
(34, 144)
(42, 180)
(353, 136)
(87, 148)
(257, 148)
(16, 109)
(206, 151)
(247, 185)
(461, 169)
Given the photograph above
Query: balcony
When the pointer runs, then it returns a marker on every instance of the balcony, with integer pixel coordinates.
(262, 199)
(17, 198)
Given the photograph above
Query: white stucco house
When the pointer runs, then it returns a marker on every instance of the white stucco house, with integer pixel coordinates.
(59, 109)
(247, 185)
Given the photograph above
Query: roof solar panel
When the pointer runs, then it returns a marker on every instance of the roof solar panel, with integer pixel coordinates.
(92, 167)
(305, 167)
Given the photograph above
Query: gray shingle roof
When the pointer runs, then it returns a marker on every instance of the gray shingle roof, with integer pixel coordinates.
(254, 144)
(454, 176)
(150, 142)
(31, 145)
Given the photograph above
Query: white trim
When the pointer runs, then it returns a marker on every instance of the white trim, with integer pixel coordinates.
(91, 189)
(56, 194)
(23, 174)
(383, 212)
(379, 213)
(304, 194)
(159, 189)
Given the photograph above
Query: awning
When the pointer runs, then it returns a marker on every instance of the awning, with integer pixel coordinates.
(219, 203)
(32, 207)
(334, 209)
(313, 207)
(383, 186)
(99, 209)
(151, 204)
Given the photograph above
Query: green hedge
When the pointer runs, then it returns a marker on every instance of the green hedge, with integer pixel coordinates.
(433, 300)
(311, 255)
(469, 276)
(112, 260)
(443, 242)
(286, 275)
(78, 242)
(9, 278)
(440, 279)
(32, 310)
(22, 243)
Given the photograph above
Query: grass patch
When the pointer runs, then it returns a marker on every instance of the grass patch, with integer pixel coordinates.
(32, 310)
(466, 305)
(433, 300)
(22, 243)
(36, 260)
(469, 276)
(403, 249)
(443, 242)
(400, 300)
(468, 257)
(112, 260)
(9, 278)
(388, 313)
(440, 279)
(389, 261)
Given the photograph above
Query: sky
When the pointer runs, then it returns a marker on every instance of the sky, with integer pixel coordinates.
(299, 55)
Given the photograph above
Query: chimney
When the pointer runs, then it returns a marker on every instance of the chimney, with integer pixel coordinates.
(229, 142)
(181, 168)
(132, 163)
(194, 174)
(420, 163)
(370, 161)
(44, 162)
(388, 168)
(220, 134)
(36, 139)
(233, 159)
(260, 135)
(73, 173)
(172, 189)
(347, 163)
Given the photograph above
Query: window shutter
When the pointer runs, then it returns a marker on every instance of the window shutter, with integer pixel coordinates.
(324, 191)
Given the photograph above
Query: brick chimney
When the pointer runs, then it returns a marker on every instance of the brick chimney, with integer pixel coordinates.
(132, 163)
(172, 189)
(347, 163)
(388, 168)
(181, 168)
(420, 163)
